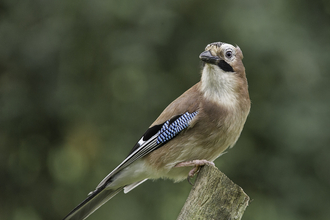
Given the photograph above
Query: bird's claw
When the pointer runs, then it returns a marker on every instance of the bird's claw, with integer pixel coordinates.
(197, 164)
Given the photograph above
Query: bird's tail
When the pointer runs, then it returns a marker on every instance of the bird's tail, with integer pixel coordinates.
(94, 201)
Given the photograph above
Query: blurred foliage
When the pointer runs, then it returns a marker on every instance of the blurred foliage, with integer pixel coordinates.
(80, 81)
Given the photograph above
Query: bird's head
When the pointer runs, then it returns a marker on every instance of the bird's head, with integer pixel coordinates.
(223, 76)
(225, 56)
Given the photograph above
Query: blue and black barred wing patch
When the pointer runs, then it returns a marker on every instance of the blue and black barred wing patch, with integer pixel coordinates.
(172, 128)
(152, 139)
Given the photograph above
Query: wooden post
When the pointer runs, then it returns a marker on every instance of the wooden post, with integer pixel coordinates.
(214, 196)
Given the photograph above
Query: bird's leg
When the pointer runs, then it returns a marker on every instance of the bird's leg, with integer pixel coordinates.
(197, 164)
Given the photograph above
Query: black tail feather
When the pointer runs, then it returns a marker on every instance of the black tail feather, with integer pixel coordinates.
(95, 200)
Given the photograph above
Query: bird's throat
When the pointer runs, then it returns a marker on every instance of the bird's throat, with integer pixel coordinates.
(219, 86)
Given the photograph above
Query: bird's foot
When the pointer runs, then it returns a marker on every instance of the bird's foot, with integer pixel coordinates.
(197, 164)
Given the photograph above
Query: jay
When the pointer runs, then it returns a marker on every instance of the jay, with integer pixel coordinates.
(192, 131)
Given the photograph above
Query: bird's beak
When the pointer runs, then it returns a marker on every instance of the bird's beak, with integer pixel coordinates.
(207, 57)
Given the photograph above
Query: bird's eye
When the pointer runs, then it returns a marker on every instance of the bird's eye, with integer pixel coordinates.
(229, 54)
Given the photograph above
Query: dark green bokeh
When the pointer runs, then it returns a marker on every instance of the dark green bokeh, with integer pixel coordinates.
(80, 81)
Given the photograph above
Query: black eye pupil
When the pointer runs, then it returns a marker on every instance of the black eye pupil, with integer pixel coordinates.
(228, 54)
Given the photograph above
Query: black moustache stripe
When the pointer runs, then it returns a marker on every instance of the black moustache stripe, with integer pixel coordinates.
(225, 66)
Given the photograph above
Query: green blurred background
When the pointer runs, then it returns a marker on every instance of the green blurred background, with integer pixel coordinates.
(80, 81)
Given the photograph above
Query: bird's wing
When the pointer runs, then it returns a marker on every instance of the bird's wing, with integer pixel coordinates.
(175, 118)
(155, 137)
(152, 139)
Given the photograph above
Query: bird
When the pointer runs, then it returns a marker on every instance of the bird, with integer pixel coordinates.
(192, 131)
